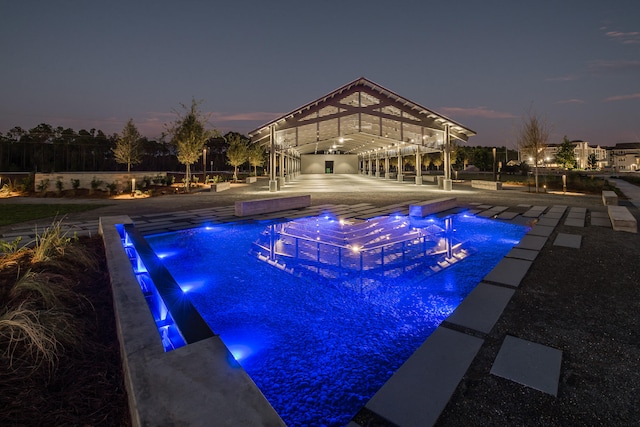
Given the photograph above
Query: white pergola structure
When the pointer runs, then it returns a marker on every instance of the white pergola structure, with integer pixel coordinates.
(361, 118)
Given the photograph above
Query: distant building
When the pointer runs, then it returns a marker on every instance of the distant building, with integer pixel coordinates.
(625, 157)
(582, 150)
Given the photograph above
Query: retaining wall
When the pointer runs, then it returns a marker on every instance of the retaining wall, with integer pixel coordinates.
(121, 178)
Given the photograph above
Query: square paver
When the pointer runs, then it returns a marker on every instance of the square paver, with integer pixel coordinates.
(568, 240)
(528, 363)
(601, 222)
(534, 243)
(482, 308)
(574, 222)
(522, 254)
(508, 215)
(541, 230)
(554, 214)
(509, 271)
(416, 394)
(551, 222)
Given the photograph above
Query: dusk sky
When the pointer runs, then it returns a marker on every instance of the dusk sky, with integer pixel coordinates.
(484, 64)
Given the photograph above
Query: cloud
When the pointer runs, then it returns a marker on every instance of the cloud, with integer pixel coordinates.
(631, 37)
(622, 97)
(615, 66)
(570, 101)
(483, 112)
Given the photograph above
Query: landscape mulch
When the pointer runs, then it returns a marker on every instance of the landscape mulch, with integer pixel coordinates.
(85, 387)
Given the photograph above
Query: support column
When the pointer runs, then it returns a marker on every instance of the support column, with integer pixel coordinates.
(370, 163)
(400, 175)
(386, 165)
(377, 166)
(418, 166)
(447, 183)
(273, 183)
(287, 161)
(281, 180)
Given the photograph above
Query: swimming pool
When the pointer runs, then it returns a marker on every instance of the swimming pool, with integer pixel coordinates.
(320, 313)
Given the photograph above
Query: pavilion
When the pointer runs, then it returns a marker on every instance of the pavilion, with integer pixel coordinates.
(357, 128)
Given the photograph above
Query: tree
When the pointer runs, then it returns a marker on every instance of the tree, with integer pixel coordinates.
(436, 159)
(532, 140)
(592, 161)
(188, 135)
(565, 155)
(255, 155)
(463, 155)
(237, 153)
(128, 149)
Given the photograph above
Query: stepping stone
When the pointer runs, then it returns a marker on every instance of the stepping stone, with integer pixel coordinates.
(482, 308)
(417, 393)
(522, 254)
(577, 212)
(508, 215)
(509, 271)
(534, 243)
(574, 222)
(541, 230)
(600, 222)
(558, 208)
(550, 214)
(493, 211)
(534, 212)
(551, 222)
(568, 240)
(528, 363)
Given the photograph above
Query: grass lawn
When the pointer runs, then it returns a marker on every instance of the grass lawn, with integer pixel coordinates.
(11, 214)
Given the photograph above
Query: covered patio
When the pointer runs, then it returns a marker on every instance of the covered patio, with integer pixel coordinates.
(358, 128)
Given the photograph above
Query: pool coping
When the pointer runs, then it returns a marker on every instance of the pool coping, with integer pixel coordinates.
(170, 387)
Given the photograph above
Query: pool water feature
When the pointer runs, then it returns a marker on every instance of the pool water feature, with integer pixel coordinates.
(321, 313)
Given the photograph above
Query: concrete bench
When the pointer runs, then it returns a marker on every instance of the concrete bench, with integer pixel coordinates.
(430, 178)
(432, 206)
(622, 219)
(486, 185)
(250, 179)
(221, 186)
(609, 198)
(276, 204)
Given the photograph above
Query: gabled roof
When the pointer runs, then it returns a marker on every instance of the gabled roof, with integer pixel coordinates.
(411, 113)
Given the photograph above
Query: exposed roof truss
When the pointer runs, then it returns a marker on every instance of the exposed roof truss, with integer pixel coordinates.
(360, 117)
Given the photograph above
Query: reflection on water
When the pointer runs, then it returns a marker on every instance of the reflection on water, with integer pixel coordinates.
(343, 248)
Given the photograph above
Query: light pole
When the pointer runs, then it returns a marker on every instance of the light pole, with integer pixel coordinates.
(494, 164)
(204, 164)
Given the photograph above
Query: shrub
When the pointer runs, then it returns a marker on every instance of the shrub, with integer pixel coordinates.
(112, 187)
(95, 183)
(27, 184)
(75, 183)
(43, 186)
(59, 185)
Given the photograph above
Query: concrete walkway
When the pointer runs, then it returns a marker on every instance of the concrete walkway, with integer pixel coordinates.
(629, 190)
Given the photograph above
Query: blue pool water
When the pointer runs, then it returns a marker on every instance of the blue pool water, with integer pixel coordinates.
(321, 313)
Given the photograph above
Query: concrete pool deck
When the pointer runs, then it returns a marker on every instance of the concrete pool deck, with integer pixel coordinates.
(470, 320)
